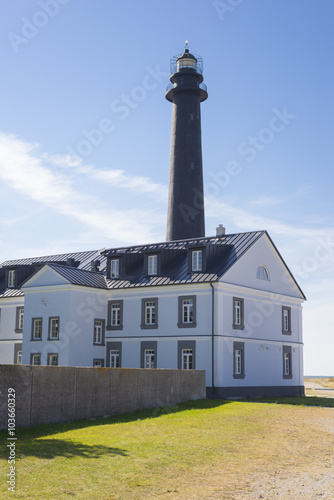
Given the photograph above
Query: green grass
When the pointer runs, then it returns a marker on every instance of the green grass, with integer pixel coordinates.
(193, 450)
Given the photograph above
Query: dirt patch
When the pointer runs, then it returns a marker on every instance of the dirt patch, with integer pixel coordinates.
(323, 387)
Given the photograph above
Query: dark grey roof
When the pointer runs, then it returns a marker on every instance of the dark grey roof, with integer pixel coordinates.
(232, 246)
(82, 258)
(230, 249)
(80, 276)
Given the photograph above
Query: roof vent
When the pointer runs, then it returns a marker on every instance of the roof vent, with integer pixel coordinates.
(95, 265)
(220, 230)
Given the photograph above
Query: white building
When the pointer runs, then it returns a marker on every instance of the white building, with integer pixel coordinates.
(226, 304)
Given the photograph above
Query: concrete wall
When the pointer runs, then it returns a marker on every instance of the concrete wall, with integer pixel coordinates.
(46, 394)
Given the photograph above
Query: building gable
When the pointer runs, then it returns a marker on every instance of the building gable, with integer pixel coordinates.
(46, 276)
(262, 267)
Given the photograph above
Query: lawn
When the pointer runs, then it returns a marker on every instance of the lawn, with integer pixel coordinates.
(198, 450)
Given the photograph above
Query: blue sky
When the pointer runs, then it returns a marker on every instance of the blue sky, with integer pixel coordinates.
(85, 130)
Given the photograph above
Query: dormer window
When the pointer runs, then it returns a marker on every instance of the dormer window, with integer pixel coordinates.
(262, 273)
(196, 260)
(11, 278)
(152, 265)
(114, 268)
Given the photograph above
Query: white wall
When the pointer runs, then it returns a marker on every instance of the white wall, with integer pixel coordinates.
(263, 364)
(8, 337)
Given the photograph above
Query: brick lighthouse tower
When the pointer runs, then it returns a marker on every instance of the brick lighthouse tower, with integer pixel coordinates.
(185, 218)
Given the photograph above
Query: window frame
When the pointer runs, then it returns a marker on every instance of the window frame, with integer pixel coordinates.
(32, 355)
(102, 342)
(155, 271)
(184, 345)
(238, 325)
(19, 321)
(11, 280)
(262, 273)
(100, 360)
(149, 357)
(193, 250)
(17, 351)
(50, 355)
(239, 347)
(114, 352)
(113, 346)
(33, 336)
(287, 354)
(197, 263)
(181, 323)
(110, 326)
(144, 325)
(117, 270)
(187, 356)
(148, 345)
(51, 318)
(286, 309)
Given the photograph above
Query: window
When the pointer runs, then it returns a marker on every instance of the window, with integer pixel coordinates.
(114, 358)
(19, 319)
(149, 313)
(21, 312)
(98, 332)
(115, 315)
(238, 360)
(148, 354)
(287, 362)
(114, 354)
(149, 358)
(53, 359)
(53, 328)
(238, 313)
(286, 320)
(262, 273)
(11, 278)
(196, 260)
(17, 353)
(187, 354)
(114, 268)
(187, 359)
(19, 358)
(98, 363)
(187, 311)
(35, 359)
(36, 333)
(152, 265)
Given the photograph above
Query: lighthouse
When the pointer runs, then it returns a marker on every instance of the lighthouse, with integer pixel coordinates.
(185, 217)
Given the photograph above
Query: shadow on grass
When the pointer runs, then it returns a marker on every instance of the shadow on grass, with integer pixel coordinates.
(300, 401)
(31, 433)
(52, 448)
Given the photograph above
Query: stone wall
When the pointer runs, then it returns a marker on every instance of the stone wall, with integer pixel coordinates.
(47, 394)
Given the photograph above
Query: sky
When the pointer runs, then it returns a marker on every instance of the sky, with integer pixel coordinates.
(85, 130)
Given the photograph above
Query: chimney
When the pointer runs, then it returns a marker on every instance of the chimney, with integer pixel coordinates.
(95, 265)
(220, 230)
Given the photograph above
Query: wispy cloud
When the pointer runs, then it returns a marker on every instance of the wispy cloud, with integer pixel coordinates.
(115, 177)
(33, 174)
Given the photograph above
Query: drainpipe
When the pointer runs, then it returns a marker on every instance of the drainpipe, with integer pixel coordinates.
(213, 337)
